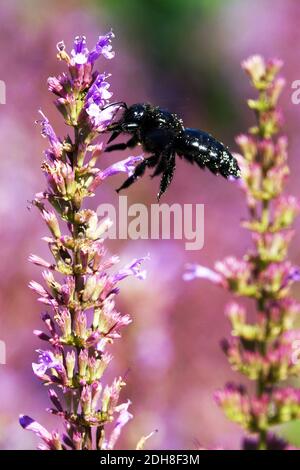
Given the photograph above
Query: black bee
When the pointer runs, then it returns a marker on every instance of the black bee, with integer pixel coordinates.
(163, 135)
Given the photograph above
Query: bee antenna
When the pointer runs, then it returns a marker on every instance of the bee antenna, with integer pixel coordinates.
(121, 103)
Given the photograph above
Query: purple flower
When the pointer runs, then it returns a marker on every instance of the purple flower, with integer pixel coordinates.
(294, 274)
(195, 271)
(132, 269)
(233, 268)
(56, 84)
(101, 118)
(79, 288)
(48, 132)
(122, 420)
(40, 262)
(123, 166)
(111, 321)
(98, 92)
(103, 47)
(255, 66)
(31, 425)
(80, 55)
(279, 276)
(263, 348)
(47, 360)
(80, 52)
(82, 78)
(44, 295)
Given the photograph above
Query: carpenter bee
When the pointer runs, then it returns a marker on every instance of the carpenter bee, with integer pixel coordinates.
(163, 135)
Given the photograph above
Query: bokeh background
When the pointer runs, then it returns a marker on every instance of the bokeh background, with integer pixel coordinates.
(183, 55)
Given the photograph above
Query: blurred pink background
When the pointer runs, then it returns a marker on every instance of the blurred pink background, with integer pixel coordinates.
(190, 65)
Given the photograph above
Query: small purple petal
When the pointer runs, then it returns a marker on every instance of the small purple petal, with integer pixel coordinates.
(98, 92)
(132, 269)
(195, 271)
(47, 360)
(41, 335)
(122, 420)
(103, 47)
(80, 51)
(39, 369)
(48, 132)
(40, 262)
(294, 275)
(101, 118)
(55, 400)
(31, 425)
(47, 129)
(124, 166)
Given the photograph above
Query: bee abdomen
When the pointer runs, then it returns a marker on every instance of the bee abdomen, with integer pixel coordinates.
(206, 151)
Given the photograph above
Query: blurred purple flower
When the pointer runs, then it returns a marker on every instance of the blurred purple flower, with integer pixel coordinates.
(195, 271)
(132, 269)
(121, 421)
(262, 350)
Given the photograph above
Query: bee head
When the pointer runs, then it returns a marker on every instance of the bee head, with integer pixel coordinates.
(133, 117)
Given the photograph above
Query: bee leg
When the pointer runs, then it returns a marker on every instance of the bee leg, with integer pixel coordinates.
(139, 171)
(131, 143)
(161, 166)
(167, 175)
(114, 135)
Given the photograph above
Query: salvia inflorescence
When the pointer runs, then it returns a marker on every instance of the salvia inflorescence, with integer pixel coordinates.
(81, 281)
(266, 351)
